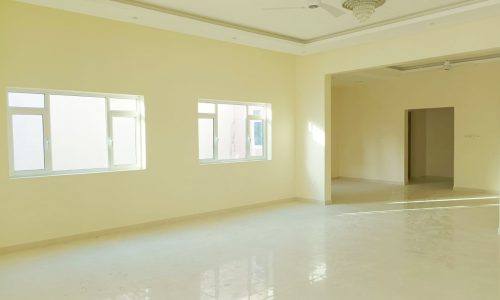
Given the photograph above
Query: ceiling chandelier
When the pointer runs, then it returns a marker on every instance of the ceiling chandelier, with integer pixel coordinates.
(362, 9)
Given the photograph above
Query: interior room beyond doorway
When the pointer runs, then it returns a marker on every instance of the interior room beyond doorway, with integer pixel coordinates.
(430, 145)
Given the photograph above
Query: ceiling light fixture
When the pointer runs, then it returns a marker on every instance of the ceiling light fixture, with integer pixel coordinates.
(362, 9)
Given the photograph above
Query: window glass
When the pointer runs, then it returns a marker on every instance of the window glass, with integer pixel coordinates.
(231, 131)
(206, 138)
(28, 142)
(206, 108)
(256, 138)
(78, 133)
(122, 104)
(26, 100)
(124, 141)
(257, 111)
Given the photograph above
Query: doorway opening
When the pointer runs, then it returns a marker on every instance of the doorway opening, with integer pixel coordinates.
(430, 145)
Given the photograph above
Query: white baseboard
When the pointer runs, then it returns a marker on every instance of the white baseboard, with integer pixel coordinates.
(313, 201)
(129, 228)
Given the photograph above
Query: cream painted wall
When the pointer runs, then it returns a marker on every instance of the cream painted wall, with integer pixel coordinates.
(312, 176)
(51, 49)
(374, 147)
(335, 125)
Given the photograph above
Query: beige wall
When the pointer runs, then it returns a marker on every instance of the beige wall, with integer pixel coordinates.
(372, 130)
(51, 49)
(335, 125)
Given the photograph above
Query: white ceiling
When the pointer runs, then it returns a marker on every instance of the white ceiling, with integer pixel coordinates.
(303, 24)
(299, 31)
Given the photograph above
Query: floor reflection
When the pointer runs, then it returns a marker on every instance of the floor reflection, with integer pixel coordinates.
(319, 273)
(377, 242)
(249, 278)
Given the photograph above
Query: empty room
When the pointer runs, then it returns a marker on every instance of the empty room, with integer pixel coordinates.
(232, 149)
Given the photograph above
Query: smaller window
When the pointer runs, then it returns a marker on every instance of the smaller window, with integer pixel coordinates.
(232, 131)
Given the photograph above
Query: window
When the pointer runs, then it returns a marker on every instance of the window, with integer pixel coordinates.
(232, 131)
(56, 133)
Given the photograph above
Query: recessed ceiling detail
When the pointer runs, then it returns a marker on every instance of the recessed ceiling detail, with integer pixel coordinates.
(303, 26)
(307, 26)
(444, 63)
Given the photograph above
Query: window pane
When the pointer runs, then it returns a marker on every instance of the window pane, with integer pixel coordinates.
(26, 100)
(256, 111)
(256, 138)
(124, 141)
(27, 133)
(123, 104)
(231, 131)
(206, 108)
(206, 138)
(78, 129)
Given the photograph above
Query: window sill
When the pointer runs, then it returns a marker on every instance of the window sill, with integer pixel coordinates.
(72, 173)
(232, 161)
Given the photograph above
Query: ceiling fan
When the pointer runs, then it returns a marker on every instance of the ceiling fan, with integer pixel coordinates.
(362, 9)
(313, 4)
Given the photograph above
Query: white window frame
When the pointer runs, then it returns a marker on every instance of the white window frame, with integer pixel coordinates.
(267, 131)
(139, 116)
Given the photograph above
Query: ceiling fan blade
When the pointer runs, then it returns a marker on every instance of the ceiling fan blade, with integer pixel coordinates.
(336, 12)
(284, 8)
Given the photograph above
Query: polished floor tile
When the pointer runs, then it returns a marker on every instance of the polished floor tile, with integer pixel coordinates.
(376, 241)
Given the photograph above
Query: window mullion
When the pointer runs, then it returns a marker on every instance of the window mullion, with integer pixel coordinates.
(11, 142)
(248, 137)
(109, 134)
(264, 139)
(216, 133)
(138, 132)
(47, 134)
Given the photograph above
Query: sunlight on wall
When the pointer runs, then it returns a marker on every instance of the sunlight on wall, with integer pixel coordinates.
(318, 134)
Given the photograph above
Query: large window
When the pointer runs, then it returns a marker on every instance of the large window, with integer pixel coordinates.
(56, 133)
(232, 131)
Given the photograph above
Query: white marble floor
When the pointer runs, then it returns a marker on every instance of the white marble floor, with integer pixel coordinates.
(376, 242)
